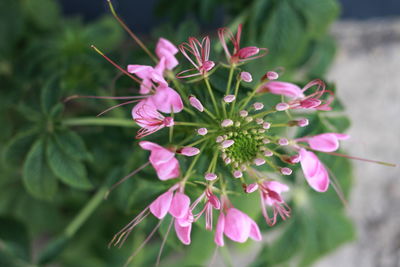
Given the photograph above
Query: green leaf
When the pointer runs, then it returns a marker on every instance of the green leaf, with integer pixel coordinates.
(14, 243)
(37, 176)
(72, 144)
(10, 25)
(106, 33)
(44, 14)
(323, 53)
(49, 95)
(318, 14)
(68, 169)
(16, 149)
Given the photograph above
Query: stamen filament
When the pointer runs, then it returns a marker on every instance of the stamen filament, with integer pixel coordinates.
(236, 93)
(126, 28)
(211, 95)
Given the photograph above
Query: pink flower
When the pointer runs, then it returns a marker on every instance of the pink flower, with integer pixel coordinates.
(326, 142)
(270, 192)
(299, 100)
(167, 100)
(236, 225)
(238, 54)
(212, 202)
(189, 151)
(314, 171)
(163, 160)
(165, 49)
(282, 88)
(201, 53)
(149, 75)
(146, 115)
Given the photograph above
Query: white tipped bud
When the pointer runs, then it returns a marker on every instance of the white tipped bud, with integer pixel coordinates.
(249, 119)
(227, 143)
(210, 176)
(283, 142)
(237, 124)
(261, 130)
(282, 106)
(227, 161)
(251, 188)
(286, 171)
(266, 125)
(302, 122)
(243, 167)
(246, 76)
(202, 131)
(229, 98)
(258, 106)
(219, 139)
(259, 161)
(259, 121)
(196, 103)
(237, 174)
(268, 153)
(227, 123)
(190, 151)
(243, 113)
(266, 141)
(272, 75)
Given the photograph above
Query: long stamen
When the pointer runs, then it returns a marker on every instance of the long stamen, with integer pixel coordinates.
(126, 28)
(116, 106)
(115, 64)
(72, 97)
(125, 178)
(163, 243)
(361, 159)
(143, 244)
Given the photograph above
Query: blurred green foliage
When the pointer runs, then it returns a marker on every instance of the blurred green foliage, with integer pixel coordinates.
(58, 160)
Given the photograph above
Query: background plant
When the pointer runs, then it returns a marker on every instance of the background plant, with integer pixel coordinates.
(58, 159)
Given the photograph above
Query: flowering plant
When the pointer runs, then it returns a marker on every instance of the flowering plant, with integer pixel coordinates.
(214, 139)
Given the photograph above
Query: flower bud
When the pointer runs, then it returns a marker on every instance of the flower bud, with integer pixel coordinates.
(196, 103)
(246, 76)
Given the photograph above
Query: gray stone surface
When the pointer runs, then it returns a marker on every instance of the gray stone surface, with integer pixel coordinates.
(367, 72)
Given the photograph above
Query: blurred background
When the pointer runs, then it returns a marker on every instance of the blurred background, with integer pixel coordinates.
(48, 218)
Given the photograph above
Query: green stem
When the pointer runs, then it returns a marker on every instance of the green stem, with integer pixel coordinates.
(236, 94)
(84, 214)
(250, 97)
(182, 123)
(211, 95)
(93, 121)
(228, 85)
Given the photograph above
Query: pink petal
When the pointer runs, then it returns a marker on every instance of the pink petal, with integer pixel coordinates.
(166, 50)
(314, 171)
(158, 153)
(160, 206)
(190, 151)
(219, 237)
(276, 186)
(237, 225)
(255, 233)
(180, 205)
(168, 170)
(167, 100)
(327, 142)
(282, 88)
(183, 233)
(143, 110)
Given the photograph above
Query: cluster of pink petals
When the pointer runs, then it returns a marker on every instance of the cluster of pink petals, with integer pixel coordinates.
(238, 54)
(237, 226)
(270, 192)
(198, 54)
(146, 115)
(160, 96)
(177, 205)
(298, 98)
(314, 170)
(162, 159)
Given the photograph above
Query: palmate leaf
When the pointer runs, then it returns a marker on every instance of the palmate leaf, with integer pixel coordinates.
(68, 169)
(37, 176)
(72, 144)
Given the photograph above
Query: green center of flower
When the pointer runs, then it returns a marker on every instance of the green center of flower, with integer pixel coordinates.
(246, 147)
